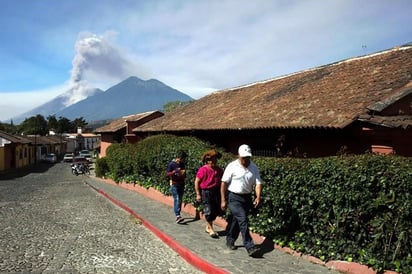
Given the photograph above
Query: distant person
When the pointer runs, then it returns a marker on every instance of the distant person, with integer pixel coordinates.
(238, 181)
(176, 172)
(207, 188)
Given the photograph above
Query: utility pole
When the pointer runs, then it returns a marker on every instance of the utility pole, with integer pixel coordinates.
(35, 141)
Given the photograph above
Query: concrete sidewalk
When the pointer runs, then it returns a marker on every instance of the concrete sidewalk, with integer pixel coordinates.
(197, 247)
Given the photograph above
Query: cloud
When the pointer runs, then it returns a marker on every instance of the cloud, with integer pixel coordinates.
(14, 103)
(98, 63)
(219, 44)
(96, 58)
(77, 92)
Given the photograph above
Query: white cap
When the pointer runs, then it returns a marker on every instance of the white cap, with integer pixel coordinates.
(245, 151)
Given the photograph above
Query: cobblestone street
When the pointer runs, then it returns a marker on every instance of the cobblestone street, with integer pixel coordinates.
(52, 222)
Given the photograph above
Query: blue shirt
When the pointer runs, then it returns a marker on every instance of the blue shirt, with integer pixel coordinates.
(172, 171)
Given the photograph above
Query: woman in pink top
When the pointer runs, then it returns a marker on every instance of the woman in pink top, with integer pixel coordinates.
(207, 187)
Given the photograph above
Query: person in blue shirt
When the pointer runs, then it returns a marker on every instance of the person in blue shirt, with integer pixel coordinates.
(176, 172)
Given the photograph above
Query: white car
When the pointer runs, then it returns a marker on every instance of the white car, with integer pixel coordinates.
(86, 154)
(68, 157)
(50, 158)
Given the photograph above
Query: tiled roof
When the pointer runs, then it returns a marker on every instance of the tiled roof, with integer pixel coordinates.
(14, 138)
(399, 121)
(45, 140)
(330, 96)
(120, 123)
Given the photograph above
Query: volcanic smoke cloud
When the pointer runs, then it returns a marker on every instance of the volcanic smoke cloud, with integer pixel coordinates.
(97, 58)
(97, 61)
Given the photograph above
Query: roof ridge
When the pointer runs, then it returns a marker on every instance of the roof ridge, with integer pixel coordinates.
(347, 60)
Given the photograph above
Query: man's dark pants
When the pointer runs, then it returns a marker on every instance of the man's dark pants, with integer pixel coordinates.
(239, 205)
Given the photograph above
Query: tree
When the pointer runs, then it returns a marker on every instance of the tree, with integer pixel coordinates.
(35, 125)
(9, 128)
(52, 122)
(64, 125)
(170, 106)
(78, 123)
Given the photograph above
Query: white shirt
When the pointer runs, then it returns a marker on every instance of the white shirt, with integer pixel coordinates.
(241, 180)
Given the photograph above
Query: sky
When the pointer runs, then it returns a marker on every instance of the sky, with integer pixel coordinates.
(194, 46)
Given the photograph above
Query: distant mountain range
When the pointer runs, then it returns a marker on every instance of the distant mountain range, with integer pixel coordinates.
(130, 96)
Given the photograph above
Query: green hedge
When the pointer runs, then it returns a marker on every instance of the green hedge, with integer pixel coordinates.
(354, 208)
(145, 162)
(341, 208)
(101, 167)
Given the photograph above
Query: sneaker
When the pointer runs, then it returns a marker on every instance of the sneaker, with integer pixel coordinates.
(253, 251)
(231, 246)
(179, 219)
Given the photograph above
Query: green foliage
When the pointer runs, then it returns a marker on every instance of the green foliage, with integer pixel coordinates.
(35, 125)
(52, 122)
(101, 168)
(121, 161)
(65, 125)
(9, 128)
(38, 125)
(170, 106)
(346, 208)
(336, 208)
(145, 163)
(154, 153)
(78, 123)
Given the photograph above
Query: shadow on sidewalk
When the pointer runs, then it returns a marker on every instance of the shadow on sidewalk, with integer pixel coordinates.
(266, 246)
(189, 220)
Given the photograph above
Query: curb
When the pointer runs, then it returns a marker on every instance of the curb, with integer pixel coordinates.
(184, 252)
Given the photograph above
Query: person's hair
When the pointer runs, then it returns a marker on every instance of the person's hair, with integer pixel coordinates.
(181, 154)
(208, 155)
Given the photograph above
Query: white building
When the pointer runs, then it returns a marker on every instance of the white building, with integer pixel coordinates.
(81, 141)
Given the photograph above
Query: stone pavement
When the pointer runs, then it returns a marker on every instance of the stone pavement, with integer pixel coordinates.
(52, 222)
(197, 247)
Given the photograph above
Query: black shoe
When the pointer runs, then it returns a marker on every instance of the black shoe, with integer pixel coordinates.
(231, 246)
(253, 252)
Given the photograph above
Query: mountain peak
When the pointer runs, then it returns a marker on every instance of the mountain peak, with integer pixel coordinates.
(130, 96)
(132, 78)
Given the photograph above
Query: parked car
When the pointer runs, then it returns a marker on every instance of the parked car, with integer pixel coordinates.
(81, 160)
(68, 157)
(86, 154)
(50, 158)
(84, 151)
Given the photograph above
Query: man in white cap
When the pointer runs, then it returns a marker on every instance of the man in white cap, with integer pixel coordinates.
(239, 180)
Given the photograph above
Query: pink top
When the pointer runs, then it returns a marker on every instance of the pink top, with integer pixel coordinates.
(209, 176)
